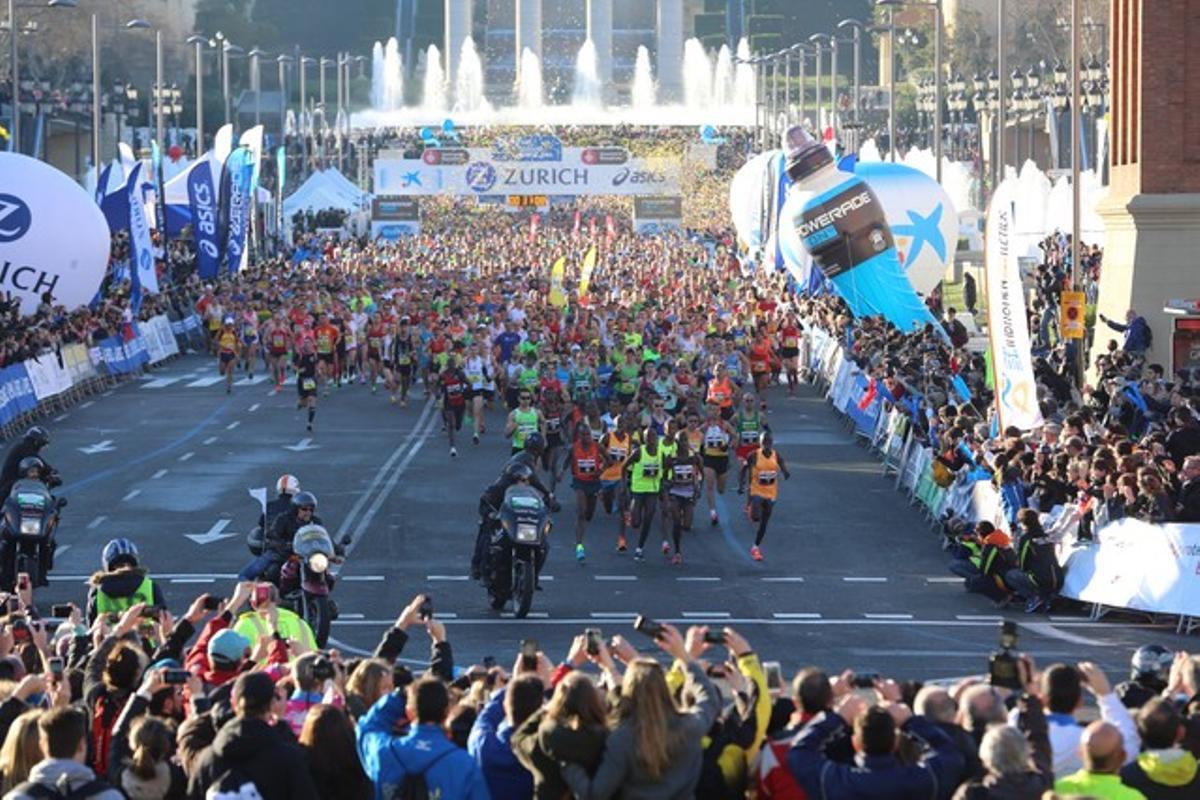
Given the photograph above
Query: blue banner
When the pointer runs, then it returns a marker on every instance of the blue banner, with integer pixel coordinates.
(203, 203)
(16, 393)
(240, 169)
(141, 248)
(120, 356)
(102, 184)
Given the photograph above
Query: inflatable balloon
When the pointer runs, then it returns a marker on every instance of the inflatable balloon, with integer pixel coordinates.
(845, 229)
(448, 129)
(708, 135)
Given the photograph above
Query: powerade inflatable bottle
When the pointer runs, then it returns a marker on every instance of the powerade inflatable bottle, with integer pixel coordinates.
(844, 228)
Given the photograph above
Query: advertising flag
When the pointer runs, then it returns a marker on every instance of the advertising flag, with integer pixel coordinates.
(1008, 329)
(240, 171)
(202, 201)
(586, 269)
(558, 297)
(143, 276)
(156, 177)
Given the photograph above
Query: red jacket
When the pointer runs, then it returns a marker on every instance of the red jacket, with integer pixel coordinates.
(197, 657)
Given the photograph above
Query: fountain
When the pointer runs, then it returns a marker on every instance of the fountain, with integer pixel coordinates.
(722, 93)
(529, 81)
(468, 88)
(642, 93)
(393, 76)
(744, 91)
(697, 75)
(378, 78)
(586, 93)
(434, 97)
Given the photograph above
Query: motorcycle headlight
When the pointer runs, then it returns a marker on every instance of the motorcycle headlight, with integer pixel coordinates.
(31, 526)
(318, 562)
(527, 532)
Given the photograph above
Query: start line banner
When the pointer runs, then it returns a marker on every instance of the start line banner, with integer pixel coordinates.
(476, 171)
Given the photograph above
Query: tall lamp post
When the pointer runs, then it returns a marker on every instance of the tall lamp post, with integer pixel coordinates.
(156, 95)
(818, 42)
(200, 43)
(96, 99)
(938, 35)
(857, 27)
(284, 61)
(1076, 133)
(256, 81)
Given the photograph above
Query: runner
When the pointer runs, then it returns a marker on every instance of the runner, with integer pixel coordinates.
(684, 470)
(717, 435)
(644, 469)
(277, 336)
(617, 445)
(307, 365)
(326, 336)
(522, 421)
(376, 343)
(453, 400)
(761, 357)
(789, 351)
(587, 462)
(404, 360)
(249, 331)
(721, 391)
(763, 468)
(748, 424)
(479, 372)
(551, 398)
(227, 352)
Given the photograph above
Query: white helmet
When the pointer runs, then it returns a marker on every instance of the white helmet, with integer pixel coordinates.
(287, 484)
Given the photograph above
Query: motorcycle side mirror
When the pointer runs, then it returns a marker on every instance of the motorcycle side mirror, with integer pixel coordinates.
(347, 540)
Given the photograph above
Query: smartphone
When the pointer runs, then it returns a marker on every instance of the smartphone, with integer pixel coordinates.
(489, 662)
(55, 665)
(262, 595)
(714, 636)
(176, 677)
(865, 680)
(647, 627)
(61, 610)
(22, 581)
(211, 602)
(1008, 635)
(595, 639)
(529, 651)
(774, 675)
(426, 610)
(151, 612)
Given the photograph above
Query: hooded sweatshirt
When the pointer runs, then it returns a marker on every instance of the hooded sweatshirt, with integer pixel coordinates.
(1168, 774)
(50, 771)
(268, 756)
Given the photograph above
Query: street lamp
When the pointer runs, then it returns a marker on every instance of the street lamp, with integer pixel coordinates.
(857, 27)
(200, 43)
(141, 24)
(284, 61)
(256, 82)
(228, 50)
(818, 41)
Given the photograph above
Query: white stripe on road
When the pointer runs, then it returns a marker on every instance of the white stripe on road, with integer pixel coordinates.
(944, 579)
(209, 381)
(530, 615)
(132, 495)
(187, 456)
(852, 579)
(96, 523)
(209, 440)
(615, 577)
(980, 617)
(1051, 632)
(158, 474)
(795, 579)
(255, 407)
(698, 579)
(362, 578)
(706, 614)
(350, 616)
(192, 580)
(796, 615)
(447, 577)
(161, 383)
(613, 615)
(88, 404)
(257, 379)
(232, 425)
(888, 616)
(61, 417)
(109, 393)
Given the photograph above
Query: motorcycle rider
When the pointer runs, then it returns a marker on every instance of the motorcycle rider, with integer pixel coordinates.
(520, 464)
(287, 487)
(30, 470)
(122, 583)
(277, 543)
(30, 444)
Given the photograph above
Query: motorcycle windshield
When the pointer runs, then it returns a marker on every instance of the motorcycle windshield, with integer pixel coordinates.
(312, 539)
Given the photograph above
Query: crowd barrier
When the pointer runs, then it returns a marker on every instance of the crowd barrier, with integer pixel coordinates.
(1127, 564)
(54, 381)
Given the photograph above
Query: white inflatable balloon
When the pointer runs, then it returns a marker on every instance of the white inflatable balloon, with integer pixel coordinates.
(53, 236)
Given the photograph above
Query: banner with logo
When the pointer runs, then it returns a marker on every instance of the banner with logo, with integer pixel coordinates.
(144, 277)
(1008, 328)
(586, 269)
(119, 356)
(53, 236)
(576, 171)
(202, 201)
(239, 169)
(16, 393)
(47, 376)
(558, 297)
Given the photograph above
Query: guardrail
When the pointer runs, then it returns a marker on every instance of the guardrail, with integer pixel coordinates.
(55, 381)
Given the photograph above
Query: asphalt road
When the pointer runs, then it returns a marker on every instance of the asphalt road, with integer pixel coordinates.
(853, 576)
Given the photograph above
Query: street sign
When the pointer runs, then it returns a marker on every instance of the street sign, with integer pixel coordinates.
(1072, 309)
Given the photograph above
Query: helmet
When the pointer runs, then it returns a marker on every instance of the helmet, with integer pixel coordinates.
(37, 436)
(302, 499)
(119, 551)
(535, 443)
(30, 462)
(1151, 660)
(520, 472)
(287, 484)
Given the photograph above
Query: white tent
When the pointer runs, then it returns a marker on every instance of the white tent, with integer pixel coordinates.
(325, 189)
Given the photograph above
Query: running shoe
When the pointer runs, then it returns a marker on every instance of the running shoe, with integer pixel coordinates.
(1033, 605)
(453, 452)
(310, 427)
(475, 438)
(677, 559)
(712, 516)
(392, 399)
(580, 556)
(666, 548)
(637, 554)
(755, 553)
(621, 544)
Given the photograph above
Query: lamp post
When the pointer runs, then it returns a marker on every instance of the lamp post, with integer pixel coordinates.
(321, 72)
(284, 61)
(1076, 131)
(857, 26)
(256, 81)
(802, 52)
(156, 95)
(938, 35)
(200, 43)
(833, 76)
(818, 41)
(96, 100)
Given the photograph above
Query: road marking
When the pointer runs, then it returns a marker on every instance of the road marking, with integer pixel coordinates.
(1051, 632)
(105, 446)
(706, 614)
(796, 615)
(209, 381)
(1054, 618)
(88, 404)
(131, 495)
(530, 615)
(109, 393)
(944, 579)
(158, 474)
(232, 425)
(255, 407)
(612, 615)
(980, 617)
(161, 383)
(698, 579)
(888, 616)
(615, 577)
(187, 456)
(62, 548)
(301, 446)
(833, 623)
(412, 444)
(210, 440)
(166, 575)
(852, 579)
(362, 578)
(350, 616)
(96, 523)
(214, 534)
(61, 417)
(447, 577)
(257, 379)
(192, 580)
(795, 579)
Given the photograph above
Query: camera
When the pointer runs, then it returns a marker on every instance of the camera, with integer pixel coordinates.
(55, 665)
(61, 610)
(426, 610)
(529, 651)
(647, 627)
(211, 602)
(865, 680)
(1003, 664)
(716, 636)
(176, 677)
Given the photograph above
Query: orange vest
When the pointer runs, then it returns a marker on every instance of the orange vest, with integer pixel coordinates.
(764, 476)
(585, 464)
(720, 392)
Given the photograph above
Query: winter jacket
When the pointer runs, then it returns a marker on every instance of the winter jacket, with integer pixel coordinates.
(267, 755)
(1031, 784)
(120, 584)
(1169, 774)
(197, 657)
(48, 772)
(450, 773)
(877, 777)
(620, 774)
(541, 744)
(1097, 786)
(490, 744)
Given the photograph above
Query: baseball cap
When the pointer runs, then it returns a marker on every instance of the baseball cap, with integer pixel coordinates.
(228, 647)
(254, 689)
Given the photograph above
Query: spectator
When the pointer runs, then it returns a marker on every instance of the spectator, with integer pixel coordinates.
(424, 752)
(252, 753)
(1150, 669)
(1102, 753)
(1163, 770)
(328, 741)
(490, 743)
(1017, 760)
(1188, 507)
(62, 737)
(20, 750)
(1138, 338)
(150, 775)
(939, 707)
(370, 680)
(571, 727)
(1062, 693)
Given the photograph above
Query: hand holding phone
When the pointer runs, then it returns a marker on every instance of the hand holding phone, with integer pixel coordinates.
(529, 652)
(425, 612)
(647, 627)
(595, 639)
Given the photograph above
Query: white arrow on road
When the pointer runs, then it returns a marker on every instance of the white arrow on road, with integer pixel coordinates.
(301, 446)
(214, 534)
(99, 447)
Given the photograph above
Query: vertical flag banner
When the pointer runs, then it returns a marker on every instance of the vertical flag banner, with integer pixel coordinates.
(1008, 329)
(142, 273)
(558, 297)
(202, 200)
(160, 209)
(102, 184)
(586, 269)
(240, 170)
(281, 171)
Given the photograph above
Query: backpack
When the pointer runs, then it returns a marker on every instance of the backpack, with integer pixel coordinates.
(62, 790)
(414, 787)
(233, 784)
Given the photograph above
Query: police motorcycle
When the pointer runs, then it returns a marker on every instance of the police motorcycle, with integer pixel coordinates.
(27, 528)
(517, 549)
(307, 578)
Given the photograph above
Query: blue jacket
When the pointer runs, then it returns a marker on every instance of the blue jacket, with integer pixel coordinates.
(1137, 337)
(490, 744)
(876, 777)
(388, 759)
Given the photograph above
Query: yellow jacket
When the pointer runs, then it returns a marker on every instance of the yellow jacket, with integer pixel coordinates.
(254, 626)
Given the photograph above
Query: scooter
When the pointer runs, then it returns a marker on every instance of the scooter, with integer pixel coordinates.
(30, 519)
(517, 549)
(307, 578)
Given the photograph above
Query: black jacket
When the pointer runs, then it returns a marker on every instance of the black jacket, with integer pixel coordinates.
(1189, 502)
(494, 494)
(275, 508)
(283, 529)
(12, 459)
(268, 756)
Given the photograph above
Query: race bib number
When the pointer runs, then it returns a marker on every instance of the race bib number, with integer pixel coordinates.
(650, 470)
(586, 465)
(766, 478)
(308, 384)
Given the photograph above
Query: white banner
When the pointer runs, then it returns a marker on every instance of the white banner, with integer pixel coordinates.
(1141, 566)
(160, 341)
(53, 237)
(477, 171)
(46, 376)
(1008, 328)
